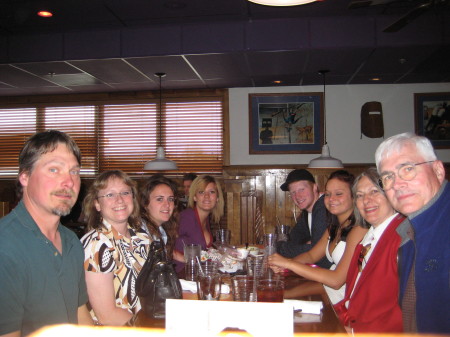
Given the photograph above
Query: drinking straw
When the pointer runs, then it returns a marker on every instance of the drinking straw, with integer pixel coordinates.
(199, 265)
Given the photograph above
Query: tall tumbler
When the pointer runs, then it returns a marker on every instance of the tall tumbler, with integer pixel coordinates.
(270, 241)
(255, 266)
(192, 254)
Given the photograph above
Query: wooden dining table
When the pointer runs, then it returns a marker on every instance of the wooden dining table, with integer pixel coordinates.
(327, 322)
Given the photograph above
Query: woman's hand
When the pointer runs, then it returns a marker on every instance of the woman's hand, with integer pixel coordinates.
(278, 263)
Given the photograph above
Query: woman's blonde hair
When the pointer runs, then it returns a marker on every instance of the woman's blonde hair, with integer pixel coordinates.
(199, 184)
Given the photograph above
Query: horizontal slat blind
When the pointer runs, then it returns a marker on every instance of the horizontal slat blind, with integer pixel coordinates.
(127, 136)
(79, 123)
(124, 136)
(16, 126)
(194, 135)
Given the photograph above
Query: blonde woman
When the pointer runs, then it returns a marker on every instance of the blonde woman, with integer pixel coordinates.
(205, 206)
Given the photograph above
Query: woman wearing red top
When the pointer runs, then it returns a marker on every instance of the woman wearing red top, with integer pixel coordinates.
(371, 296)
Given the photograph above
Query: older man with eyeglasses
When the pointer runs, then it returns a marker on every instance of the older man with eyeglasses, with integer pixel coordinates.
(414, 181)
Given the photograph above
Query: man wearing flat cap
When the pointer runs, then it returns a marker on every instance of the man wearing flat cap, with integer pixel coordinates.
(312, 224)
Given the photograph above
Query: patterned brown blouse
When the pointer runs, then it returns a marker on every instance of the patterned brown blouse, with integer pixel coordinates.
(108, 251)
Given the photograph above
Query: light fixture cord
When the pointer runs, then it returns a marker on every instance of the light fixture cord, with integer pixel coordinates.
(324, 110)
(160, 111)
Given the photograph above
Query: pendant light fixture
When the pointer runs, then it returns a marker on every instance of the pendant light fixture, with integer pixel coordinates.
(282, 2)
(325, 160)
(160, 163)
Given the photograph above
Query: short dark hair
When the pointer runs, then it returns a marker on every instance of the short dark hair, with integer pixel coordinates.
(44, 142)
(189, 176)
(41, 143)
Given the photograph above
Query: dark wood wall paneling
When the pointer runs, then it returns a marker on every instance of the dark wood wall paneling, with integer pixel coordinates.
(252, 196)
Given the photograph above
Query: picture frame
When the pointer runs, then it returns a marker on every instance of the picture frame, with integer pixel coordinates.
(432, 117)
(286, 123)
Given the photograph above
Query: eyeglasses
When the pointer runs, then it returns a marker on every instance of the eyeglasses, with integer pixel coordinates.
(113, 196)
(406, 172)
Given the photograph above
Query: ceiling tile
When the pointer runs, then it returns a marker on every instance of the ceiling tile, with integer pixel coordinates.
(340, 61)
(276, 63)
(278, 34)
(211, 66)
(48, 68)
(19, 78)
(175, 67)
(111, 71)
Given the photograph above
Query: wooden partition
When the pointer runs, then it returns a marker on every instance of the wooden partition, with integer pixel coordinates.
(254, 202)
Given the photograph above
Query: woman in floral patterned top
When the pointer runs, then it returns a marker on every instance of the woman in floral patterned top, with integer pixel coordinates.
(115, 248)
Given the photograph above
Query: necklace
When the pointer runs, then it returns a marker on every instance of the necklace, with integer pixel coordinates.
(339, 231)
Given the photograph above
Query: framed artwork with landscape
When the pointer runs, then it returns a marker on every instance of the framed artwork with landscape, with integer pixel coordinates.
(432, 117)
(286, 123)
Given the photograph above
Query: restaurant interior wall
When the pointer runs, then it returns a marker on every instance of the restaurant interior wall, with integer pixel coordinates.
(251, 183)
(343, 106)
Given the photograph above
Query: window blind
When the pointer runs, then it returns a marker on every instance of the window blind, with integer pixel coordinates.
(194, 135)
(16, 126)
(127, 137)
(80, 123)
(124, 136)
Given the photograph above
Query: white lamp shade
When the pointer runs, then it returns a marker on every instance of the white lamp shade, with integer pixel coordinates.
(325, 160)
(281, 2)
(160, 163)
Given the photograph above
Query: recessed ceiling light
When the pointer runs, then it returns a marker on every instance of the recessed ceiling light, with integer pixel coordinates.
(277, 82)
(375, 79)
(45, 14)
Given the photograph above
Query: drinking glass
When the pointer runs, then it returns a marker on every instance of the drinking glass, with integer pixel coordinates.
(192, 254)
(208, 286)
(192, 251)
(283, 232)
(243, 288)
(270, 290)
(255, 265)
(270, 241)
(209, 267)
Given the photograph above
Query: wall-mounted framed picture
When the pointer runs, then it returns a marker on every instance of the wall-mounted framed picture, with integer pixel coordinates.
(432, 117)
(286, 123)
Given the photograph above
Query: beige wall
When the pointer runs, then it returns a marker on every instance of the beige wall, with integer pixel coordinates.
(343, 105)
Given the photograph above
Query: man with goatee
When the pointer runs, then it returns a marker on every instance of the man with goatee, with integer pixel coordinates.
(41, 261)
